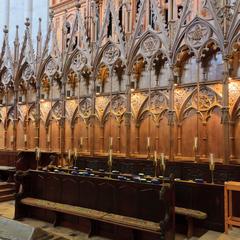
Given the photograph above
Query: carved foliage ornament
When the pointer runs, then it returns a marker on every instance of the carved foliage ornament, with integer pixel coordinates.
(85, 108)
(27, 73)
(78, 62)
(197, 35)
(118, 106)
(158, 103)
(6, 77)
(150, 45)
(111, 54)
(51, 68)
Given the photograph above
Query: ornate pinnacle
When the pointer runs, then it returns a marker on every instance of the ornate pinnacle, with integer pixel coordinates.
(78, 4)
(5, 30)
(51, 15)
(27, 23)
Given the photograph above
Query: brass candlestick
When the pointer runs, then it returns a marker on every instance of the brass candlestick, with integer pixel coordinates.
(212, 167)
(163, 165)
(155, 164)
(110, 161)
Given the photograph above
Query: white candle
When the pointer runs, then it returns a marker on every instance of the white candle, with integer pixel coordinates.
(11, 139)
(155, 156)
(110, 156)
(211, 159)
(38, 153)
(148, 141)
(75, 152)
(69, 154)
(48, 137)
(195, 142)
(162, 159)
(81, 141)
(111, 141)
(25, 138)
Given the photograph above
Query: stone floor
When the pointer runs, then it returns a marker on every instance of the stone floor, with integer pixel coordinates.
(7, 211)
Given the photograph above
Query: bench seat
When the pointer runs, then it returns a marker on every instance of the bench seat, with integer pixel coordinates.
(124, 221)
(190, 214)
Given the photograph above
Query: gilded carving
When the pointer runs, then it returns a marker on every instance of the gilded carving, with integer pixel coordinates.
(137, 100)
(119, 106)
(101, 105)
(85, 108)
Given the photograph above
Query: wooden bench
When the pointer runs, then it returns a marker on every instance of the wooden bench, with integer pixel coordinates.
(92, 214)
(190, 214)
(144, 221)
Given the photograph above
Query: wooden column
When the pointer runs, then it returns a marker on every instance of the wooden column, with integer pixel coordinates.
(157, 137)
(102, 138)
(225, 112)
(137, 126)
(171, 113)
(72, 137)
(128, 118)
(87, 137)
(119, 137)
(232, 139)
(179, 139)
(205, 139)
(15, 120)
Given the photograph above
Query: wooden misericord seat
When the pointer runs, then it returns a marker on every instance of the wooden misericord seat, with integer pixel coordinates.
(190, 214)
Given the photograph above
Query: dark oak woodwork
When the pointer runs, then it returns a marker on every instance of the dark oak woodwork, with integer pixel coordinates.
(138, 200)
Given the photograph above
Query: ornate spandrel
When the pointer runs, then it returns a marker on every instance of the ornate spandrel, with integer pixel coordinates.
(27, 73)
(6, 77)
(158, 103)
(137, 100)
(51, 68)
(119, 106)
(150, 45)
(101, 105)
(78, 62)
(85, 108)
(197, 35)
(111, 54)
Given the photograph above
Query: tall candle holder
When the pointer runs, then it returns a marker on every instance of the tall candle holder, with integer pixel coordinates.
(37, 157)
(110, 156)
(155, 164)
(75, 157)
(195, 148)
(162, 164)
(212, 167)
(148, 148)
(81, 144)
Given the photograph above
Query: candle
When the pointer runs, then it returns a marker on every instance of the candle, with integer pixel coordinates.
(75, 152)
(11, 139)
(25, 138)
(111, 141)
(48, 138)
(195, 142)
(155, 156)
(211, 159)
(81, 141)
(69, 154)
(162, 159)
(110, 157)
(148, 142)
(38, 153)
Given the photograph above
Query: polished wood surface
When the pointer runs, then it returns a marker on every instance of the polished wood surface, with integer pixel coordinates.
(131, 199)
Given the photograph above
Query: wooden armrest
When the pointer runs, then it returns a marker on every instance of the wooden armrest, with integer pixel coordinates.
(191, 213)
